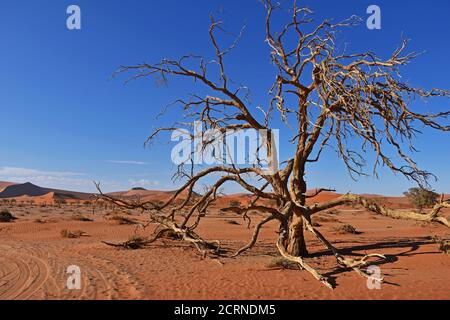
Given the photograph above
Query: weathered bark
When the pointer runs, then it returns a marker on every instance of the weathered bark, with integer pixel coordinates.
(295, 240)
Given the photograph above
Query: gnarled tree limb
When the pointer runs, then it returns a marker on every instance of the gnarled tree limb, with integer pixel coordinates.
(379, 209)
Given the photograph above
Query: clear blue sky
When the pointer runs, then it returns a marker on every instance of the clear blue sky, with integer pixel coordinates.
(64, 122)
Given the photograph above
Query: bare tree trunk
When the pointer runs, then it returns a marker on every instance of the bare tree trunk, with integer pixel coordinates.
(295, 242)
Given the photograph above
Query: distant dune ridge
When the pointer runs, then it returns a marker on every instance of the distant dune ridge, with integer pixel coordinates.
(4, 184)
(31, 192)
(149, 195)
(18, 190)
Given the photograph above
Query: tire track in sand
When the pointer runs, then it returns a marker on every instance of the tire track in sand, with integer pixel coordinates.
(29, 271)
(25, 276)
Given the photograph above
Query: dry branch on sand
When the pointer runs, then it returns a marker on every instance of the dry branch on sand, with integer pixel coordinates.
(353, 103)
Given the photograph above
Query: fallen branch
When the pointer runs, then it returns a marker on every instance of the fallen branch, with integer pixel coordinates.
(299, 260)
(379, 209)
(355, 264)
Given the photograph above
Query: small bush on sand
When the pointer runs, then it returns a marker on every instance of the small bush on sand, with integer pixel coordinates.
(315, 223)
(232, 222)
(333, 212)
(135, 242)
(280, 262)
(80, 217)
(65, 233)
(421, 197)
(136, 237)
(444, 246)
(122, 220)
(320, 218)
(346, 229)
(6, 216)
(234, 203)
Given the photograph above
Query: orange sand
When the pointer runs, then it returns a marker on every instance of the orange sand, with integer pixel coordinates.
(34, 258)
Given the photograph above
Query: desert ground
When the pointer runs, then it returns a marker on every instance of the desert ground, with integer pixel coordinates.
(37, 248)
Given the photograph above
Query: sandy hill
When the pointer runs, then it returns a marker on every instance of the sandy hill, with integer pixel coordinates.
(26, 192)
(48, 198)
(391, 202)
(24, 189)
(4, 184)
(31, 192)
(148, 195)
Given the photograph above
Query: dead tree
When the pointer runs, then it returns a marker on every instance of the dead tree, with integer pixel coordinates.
(352, 103)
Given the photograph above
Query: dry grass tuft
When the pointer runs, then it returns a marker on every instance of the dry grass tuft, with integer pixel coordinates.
(323, 219)
(315, 223)
(346, 229)
(233, 222)
(332, 212)
(65, 233)
(444, 246)
(121, 220)
(80, 217)
(280, 262)
(6, 216)
(136, 242)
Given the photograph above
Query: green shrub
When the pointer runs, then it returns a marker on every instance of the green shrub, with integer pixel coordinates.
(421, 197)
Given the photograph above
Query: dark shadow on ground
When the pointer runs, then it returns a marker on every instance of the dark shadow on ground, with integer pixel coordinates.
(410, 244)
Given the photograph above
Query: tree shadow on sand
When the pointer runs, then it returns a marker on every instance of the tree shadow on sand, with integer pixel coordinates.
(411, 245)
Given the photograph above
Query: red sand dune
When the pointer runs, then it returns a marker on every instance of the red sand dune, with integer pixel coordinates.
(148, 195)
(4, 184)
(30, 192)
(48, 198)
(323, 196)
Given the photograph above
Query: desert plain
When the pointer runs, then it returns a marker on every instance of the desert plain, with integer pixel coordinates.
(55, 229)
